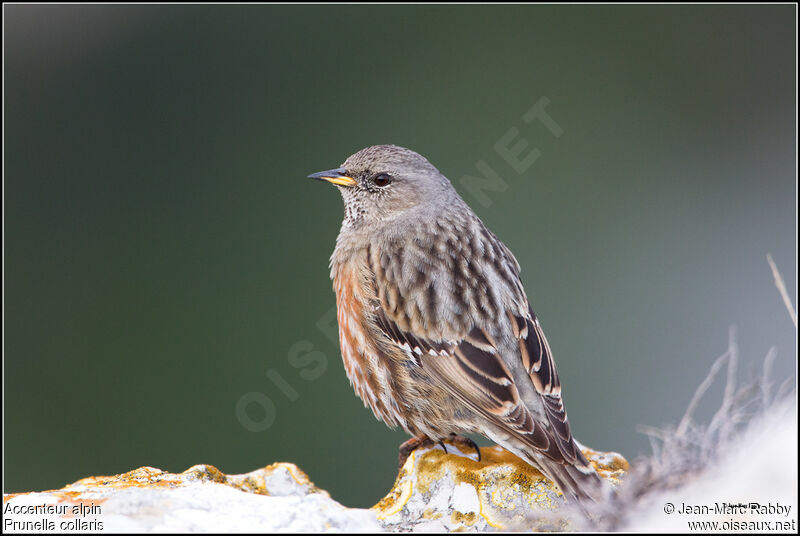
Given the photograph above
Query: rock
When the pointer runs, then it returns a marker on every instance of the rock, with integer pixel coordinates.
(438, 491)
(435, 491)
(279, 497)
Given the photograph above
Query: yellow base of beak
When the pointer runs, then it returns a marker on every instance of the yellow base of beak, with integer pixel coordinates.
(340, 181)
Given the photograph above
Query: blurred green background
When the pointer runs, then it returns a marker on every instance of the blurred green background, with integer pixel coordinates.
(166, 260)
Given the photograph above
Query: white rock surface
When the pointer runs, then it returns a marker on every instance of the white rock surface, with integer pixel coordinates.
(277, 498)
(435, 491)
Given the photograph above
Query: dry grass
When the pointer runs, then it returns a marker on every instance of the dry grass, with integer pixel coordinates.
(683, 454)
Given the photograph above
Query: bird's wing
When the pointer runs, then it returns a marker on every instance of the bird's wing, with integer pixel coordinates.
(537, 360)
(435, 297)
(473, 370)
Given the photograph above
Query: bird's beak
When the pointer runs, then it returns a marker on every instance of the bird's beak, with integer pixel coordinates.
(334, 176)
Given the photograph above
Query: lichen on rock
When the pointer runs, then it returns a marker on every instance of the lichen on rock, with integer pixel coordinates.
(279, 497)
(443, 491)
(435, 491)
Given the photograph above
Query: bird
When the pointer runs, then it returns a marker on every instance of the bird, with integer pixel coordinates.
(436, 332)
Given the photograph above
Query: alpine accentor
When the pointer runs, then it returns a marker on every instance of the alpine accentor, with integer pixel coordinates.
(436, 332)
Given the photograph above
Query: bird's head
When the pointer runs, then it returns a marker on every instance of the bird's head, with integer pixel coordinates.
(382, 182)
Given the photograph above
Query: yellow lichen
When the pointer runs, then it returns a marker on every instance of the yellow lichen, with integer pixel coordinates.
(430, 513)
(150, 477)
(468, 519)
(400, 493)
(501, 480)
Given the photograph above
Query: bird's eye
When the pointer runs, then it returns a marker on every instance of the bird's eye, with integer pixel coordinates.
(382, 179)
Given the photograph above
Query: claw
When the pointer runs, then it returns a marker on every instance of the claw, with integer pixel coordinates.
(422, 441)
(461, 441)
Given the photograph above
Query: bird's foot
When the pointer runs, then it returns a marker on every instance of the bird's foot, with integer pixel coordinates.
(465, 444)
(410, 446)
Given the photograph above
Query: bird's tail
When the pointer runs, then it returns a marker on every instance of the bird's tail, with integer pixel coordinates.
(578, 482)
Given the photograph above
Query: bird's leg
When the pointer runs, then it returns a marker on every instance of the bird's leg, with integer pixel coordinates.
(409, 446)
(461, 441)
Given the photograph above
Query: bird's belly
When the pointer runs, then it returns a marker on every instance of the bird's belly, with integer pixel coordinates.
(358, 353)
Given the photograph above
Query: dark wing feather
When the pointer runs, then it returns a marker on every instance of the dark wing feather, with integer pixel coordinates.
(472, 370)
(538, 361)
